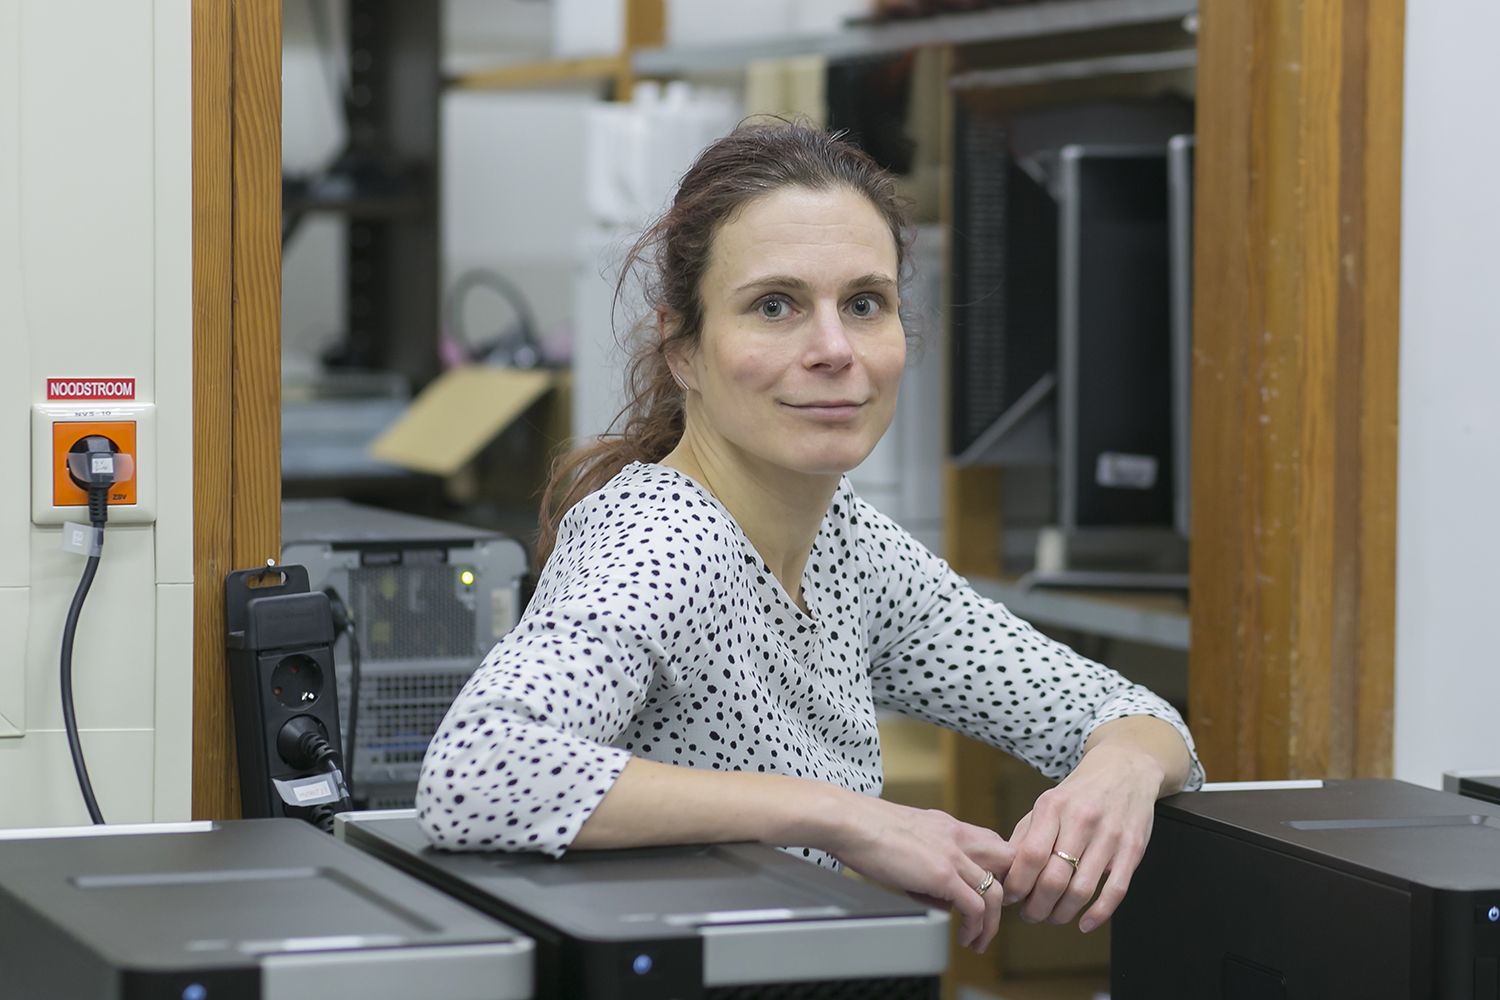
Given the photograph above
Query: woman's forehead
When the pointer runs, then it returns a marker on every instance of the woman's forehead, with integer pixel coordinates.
(794, 230)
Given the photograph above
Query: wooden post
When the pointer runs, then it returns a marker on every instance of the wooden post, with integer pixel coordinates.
(1294, 410)
(236, 349)
(645, 27)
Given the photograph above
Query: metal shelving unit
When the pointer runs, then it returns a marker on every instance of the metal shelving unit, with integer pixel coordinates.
(1053, 17)
(1152, 620)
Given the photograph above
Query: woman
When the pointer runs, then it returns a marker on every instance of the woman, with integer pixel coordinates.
(719, 617)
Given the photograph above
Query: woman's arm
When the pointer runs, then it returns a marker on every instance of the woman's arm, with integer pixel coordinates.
(1101, 814)
(927, 853)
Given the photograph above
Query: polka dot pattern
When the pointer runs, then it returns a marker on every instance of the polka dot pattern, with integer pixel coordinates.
(657, 631)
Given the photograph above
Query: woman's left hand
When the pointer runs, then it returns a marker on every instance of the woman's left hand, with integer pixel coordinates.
(1101, 814)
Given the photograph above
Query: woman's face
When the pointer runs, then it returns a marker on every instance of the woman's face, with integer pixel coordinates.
(802, 346)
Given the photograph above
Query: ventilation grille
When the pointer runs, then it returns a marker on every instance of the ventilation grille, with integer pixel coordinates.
(399, 796)
(411, 613)
(918, 988)
(399, 713)
(1003, 283)
(978, 279)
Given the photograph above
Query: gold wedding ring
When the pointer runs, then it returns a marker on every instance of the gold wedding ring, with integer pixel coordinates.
(984, 887)
(1068, 858)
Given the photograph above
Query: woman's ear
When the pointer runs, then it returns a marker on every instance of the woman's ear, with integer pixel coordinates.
(666, 325)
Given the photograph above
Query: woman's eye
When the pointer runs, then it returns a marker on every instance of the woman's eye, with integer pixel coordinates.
(773, 309)
(864, 307)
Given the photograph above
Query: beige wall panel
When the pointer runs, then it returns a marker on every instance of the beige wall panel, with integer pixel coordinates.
(15, 439)
(173, 785)
(87, 158)
(14, 605)
(38, 788)
(114, 671)
(174, 298)
(96, 281)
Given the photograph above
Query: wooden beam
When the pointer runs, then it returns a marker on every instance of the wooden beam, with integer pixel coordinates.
(645, 27)
(257, 282)
(1297, 250)
(548, 73)
(236, 348)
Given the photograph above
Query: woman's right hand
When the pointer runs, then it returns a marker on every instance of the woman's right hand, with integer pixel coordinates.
(935, 858)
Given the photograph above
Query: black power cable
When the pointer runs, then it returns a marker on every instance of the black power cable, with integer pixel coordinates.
(343, 622)
(70, 721)
(96, 467)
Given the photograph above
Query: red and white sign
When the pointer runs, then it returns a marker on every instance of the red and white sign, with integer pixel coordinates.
(91, 388)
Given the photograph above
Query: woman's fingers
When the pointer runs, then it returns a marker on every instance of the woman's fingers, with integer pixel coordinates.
(993, 901)
(1054, 880)
(1092, 866)
(1033, 851)
(971, 909)
(1121, 869)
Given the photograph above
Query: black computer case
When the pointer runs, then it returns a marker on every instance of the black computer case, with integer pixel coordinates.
(1367, 889)
(697, 922)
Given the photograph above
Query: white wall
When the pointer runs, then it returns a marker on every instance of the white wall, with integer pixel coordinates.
(1448, 520)
(96, 280)
(513, 194)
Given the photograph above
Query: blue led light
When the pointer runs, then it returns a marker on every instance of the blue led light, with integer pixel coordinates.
(1494, 914)
(196, 991)
(641, 965)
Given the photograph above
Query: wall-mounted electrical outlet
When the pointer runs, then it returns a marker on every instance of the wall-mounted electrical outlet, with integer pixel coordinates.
(58, 428)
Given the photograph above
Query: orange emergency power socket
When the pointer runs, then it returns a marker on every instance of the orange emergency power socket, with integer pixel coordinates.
(60, 428)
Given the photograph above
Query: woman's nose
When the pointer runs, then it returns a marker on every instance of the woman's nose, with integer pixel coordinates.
(829, 348)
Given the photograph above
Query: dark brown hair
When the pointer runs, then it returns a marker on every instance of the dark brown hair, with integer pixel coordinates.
(673, 254)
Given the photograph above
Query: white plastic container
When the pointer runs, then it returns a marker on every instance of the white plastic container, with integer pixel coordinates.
(637, 152)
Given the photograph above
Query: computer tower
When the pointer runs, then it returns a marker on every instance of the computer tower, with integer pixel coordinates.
(700, 922)
(1002, 302)
(1114, 391)
(236, 910)
(429, 599)
(1375, 889)
(1482, 785)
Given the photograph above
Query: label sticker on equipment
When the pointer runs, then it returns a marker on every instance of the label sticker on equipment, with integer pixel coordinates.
(312, 790)
(316, 790)
(91, 388)
(84, 539)
(1120, 470)
(104, 464)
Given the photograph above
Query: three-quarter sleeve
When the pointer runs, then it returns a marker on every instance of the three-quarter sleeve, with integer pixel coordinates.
(522, 758)
(942, 653)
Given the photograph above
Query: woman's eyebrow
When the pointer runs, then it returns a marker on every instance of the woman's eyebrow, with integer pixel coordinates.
(786, 281)
(872, 280)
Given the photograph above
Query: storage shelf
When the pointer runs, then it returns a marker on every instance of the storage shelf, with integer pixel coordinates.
(547, 73)
(1154, 619)
(1052, 17)
(1076, 69)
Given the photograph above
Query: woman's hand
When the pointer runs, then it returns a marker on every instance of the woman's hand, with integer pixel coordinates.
(1101, 814)
(929, 854)
(935, 858)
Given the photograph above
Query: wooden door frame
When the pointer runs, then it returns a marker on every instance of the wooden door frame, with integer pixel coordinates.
(236, 86)
(1296, 333)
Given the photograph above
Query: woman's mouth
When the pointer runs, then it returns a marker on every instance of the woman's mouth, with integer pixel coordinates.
(827, 409)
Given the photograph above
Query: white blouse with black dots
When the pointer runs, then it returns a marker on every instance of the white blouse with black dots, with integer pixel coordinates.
(657, 631)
